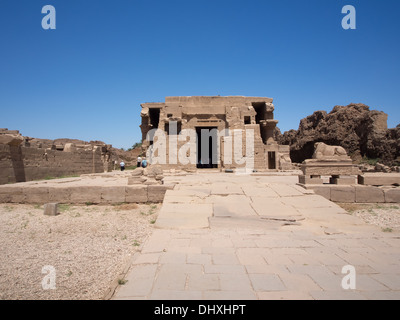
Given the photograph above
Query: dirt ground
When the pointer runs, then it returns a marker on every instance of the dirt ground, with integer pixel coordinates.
(88, 246)
(384, 215)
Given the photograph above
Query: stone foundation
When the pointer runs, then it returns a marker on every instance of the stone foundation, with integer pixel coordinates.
(35, 194)
(356, 193)
(379, 179)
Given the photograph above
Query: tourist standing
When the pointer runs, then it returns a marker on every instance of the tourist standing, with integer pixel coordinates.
(122, 165)
(144, 163)
(139, 161)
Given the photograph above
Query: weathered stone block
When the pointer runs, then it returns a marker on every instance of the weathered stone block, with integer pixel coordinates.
(150, 181)
(4, 197)
(113, 194)
(156, 193)
(368, 194)
(326, 168)
(392, 195)
(321, 190)
(136, 180)
(36, 194)
(343, 180)
(69, 147)
(11, 193)
(50, 209)
(343, 193)
(137, 172)
(60, 194)
(379, 179)
(12, 139)
(309, 180)
(137, 194)
(83, 194)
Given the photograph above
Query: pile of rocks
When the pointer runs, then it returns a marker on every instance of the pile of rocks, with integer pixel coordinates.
(147, 176)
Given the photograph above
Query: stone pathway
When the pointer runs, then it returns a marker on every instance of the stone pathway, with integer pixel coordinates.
(225, 236)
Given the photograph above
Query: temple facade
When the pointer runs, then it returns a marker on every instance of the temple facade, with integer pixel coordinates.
(213, 132)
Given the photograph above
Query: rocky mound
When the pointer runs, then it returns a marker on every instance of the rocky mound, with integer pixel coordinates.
(361, 131)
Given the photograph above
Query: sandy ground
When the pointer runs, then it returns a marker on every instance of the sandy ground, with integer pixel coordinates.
(88, 246)
(384, 215)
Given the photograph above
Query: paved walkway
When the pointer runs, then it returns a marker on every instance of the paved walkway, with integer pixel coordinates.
(225, 236)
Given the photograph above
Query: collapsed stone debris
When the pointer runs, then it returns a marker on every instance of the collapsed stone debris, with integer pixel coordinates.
(147, 176)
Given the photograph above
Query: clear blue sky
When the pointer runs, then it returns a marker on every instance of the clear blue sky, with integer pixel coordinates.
(87, 79)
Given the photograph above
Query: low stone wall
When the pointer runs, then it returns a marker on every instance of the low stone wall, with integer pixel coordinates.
(356, 193)
(40, 194)
(379, 179)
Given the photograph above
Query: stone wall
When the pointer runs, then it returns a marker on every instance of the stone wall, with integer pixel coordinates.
(40, 193)
(20, 162)
(356, 193)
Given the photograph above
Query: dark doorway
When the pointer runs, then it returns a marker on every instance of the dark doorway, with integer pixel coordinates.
(271, 160)
(261, 115)
(260, 109)
(207, 147)
(154, 114)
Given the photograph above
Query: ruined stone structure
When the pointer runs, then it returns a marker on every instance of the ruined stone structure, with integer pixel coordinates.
(329, 161)
(25, 159)
(235, 113)
(346, 182)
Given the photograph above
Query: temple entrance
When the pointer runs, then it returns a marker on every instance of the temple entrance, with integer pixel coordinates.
(271, 160)
(207, 147)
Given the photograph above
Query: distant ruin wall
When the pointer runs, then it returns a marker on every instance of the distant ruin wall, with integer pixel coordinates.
(19, 163)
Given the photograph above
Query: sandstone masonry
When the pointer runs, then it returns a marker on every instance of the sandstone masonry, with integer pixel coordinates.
(234, 113)
(22, 159)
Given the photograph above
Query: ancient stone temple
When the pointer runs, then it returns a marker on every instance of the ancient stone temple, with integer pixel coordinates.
(218, 132)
